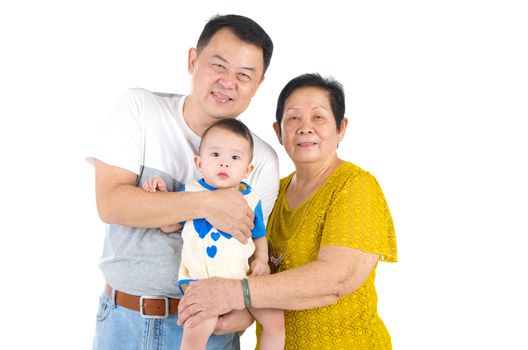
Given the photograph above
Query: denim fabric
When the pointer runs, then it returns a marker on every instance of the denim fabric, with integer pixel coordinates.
(120, 328)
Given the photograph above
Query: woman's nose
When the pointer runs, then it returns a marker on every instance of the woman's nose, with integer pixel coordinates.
(305, 129)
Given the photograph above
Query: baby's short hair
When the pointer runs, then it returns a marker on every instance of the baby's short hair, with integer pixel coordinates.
(234, 126)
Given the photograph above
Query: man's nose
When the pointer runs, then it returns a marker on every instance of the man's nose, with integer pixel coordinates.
(228, 80)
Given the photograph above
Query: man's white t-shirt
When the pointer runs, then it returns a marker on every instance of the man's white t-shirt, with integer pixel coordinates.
(148, 136)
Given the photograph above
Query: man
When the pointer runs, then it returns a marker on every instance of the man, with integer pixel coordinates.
(151, 134)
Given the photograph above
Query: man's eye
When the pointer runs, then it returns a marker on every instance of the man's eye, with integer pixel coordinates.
(218, 67)
(244, 77)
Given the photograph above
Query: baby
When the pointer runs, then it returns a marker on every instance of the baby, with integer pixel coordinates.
(224, 160)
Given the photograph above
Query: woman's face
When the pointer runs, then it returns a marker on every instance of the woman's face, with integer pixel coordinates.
(309, 132)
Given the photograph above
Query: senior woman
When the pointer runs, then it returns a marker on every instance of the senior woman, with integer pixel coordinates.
(329, 228)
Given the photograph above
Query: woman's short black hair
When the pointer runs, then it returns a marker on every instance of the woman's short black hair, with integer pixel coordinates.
(336, 94)
(244, 28)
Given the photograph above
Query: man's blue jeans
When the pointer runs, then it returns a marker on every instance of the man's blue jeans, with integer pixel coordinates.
(120, 328)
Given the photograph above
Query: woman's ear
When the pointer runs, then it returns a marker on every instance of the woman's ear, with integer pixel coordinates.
(342, 129)
(276, 127)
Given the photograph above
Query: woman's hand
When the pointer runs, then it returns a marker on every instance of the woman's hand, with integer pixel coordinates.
(208, 298)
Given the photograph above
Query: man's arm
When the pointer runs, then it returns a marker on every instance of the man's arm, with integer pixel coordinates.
(120, 201)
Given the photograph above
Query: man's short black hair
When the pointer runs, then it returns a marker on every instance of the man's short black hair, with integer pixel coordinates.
(244, 28)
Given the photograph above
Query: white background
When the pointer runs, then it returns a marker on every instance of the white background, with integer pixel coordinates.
(436, 96)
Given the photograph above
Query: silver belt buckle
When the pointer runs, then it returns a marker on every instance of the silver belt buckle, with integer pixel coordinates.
(153, 297)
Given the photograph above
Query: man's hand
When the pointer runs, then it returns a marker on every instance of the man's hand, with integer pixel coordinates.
(228, 211)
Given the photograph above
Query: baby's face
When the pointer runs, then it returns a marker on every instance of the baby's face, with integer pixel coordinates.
(225, 158)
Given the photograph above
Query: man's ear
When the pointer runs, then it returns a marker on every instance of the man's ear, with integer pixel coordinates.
(191, 60)
(198, 162)
(278, 132)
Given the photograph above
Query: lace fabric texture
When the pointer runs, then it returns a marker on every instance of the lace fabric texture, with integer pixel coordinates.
(348, 210)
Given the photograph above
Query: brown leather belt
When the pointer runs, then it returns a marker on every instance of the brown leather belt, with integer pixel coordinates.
(148, 306)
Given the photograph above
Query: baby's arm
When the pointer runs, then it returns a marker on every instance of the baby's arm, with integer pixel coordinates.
(156, 183)
(272, 320)
(259, 260)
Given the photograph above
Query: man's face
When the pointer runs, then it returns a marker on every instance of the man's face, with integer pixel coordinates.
(225, 75)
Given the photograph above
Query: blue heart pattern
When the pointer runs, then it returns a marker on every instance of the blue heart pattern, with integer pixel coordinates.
(211, 251)
(202, 228)
(215, 235)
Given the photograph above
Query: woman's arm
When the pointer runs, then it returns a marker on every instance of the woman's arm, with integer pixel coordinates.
(338, 271)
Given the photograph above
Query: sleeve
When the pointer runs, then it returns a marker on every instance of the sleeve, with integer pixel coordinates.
(260, 229)
(359, 218)
(265, 177)
(182, 189)
(120, 142)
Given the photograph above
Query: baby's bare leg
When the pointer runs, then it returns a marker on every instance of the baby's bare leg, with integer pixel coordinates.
(196, 338)
(272, 321)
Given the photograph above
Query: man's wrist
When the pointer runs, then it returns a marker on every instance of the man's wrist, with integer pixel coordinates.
(201, 210)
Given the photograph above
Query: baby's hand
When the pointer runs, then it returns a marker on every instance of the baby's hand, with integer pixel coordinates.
(259, 268)
(154, 184)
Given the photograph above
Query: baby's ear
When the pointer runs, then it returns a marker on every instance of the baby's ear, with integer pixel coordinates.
(198, 162)
(249, 169)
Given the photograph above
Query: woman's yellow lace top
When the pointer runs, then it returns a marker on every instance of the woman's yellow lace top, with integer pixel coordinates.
(348, 210)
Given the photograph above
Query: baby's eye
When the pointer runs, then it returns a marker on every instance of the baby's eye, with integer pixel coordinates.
(215, 154)
(235, 157)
